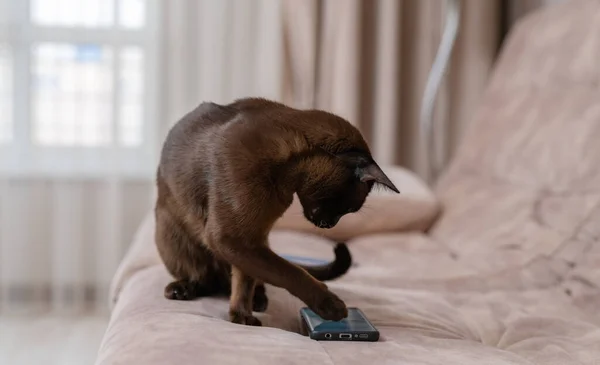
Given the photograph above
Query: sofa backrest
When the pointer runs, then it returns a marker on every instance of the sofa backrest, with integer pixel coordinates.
(539, 121)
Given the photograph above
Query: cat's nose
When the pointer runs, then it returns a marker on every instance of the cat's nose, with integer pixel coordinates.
(323, 224)
(330, 224)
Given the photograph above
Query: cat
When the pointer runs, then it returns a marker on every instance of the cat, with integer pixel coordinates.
(228, 172)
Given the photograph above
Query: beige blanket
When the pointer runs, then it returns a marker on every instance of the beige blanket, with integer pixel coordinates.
(509, 274)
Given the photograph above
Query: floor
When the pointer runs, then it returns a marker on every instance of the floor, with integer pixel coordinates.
(50, 340)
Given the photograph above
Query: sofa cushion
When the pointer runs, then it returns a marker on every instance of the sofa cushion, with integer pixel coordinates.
(426, 303)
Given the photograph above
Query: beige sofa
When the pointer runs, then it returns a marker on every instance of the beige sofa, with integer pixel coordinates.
(508, 274)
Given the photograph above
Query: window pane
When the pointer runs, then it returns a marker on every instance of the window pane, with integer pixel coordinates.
(73, 13)
(131, 86)
(6, 96)
(132, 13)
(72, 94)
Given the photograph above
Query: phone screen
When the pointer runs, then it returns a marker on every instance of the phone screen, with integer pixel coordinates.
(355, 322)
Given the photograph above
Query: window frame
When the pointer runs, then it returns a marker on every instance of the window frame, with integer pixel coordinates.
(20, 157)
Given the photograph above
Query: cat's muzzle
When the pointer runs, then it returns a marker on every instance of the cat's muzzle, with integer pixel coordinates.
(327, 223)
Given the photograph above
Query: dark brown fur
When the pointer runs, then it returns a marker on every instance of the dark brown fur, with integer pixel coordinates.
(228, 172)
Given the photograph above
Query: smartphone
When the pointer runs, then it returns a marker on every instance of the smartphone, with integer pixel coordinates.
(355, 327)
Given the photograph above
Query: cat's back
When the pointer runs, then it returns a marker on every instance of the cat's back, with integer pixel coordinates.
(188, 138)
(182, 174)
(200, 146)
(194, 125)
(195, 132)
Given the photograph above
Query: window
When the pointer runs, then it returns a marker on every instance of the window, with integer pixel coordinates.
(77, 90)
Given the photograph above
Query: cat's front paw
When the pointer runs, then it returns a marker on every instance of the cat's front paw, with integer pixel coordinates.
(330, 307)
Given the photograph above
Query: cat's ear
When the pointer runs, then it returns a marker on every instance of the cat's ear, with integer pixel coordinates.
(367, 170)
(372, 172)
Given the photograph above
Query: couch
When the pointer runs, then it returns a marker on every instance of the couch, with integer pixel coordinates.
(508, 272)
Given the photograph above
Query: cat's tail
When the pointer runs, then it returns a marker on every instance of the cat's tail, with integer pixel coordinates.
(336, 268)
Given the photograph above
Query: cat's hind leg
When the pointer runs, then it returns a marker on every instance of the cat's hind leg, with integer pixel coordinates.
(186, 259)
(213, 279)
(186, 289)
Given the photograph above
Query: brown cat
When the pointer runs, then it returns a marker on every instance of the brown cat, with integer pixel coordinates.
(228, 172)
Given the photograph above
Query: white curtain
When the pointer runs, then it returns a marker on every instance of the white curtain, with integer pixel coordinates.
(62, 237)
(220, 50)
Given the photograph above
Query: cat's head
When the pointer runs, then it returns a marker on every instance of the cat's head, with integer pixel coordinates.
(339, 185)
